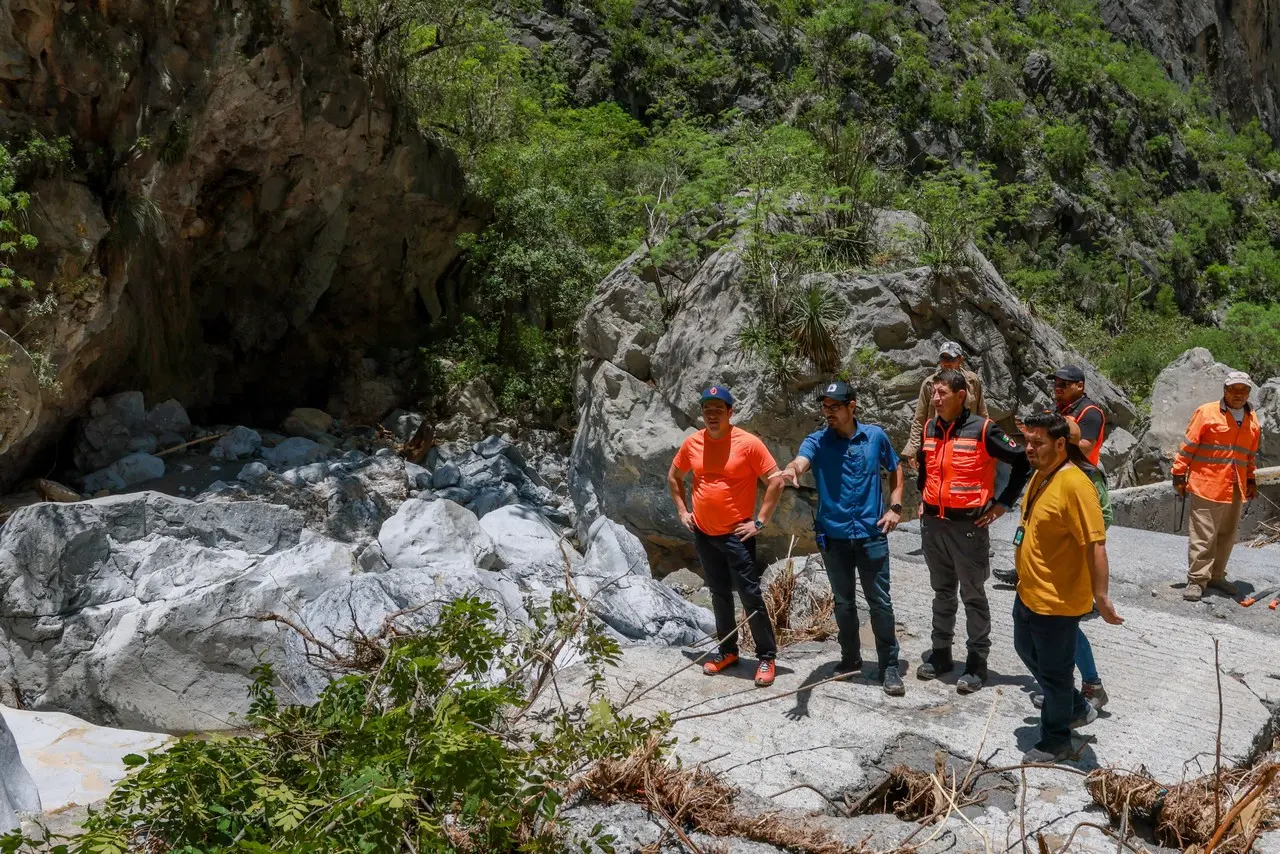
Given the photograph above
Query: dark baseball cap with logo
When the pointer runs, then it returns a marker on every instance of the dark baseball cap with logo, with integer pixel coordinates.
(718, 392)
(1069, 373)
(837, 390)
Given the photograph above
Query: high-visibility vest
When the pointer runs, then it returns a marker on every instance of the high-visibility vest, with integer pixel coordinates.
(959, 473)
(1217, 455)
(1077, 411)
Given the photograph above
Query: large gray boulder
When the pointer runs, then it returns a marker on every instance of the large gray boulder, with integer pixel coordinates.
(1190, 381)
(639, 385)
(617, 583)
(436, 533)
(137, 610)
(18, 793)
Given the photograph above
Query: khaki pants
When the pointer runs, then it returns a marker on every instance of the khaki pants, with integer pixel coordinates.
(1211, 536)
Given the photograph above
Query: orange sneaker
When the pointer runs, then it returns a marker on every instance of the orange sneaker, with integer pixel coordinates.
(765, 672)
(719, 662)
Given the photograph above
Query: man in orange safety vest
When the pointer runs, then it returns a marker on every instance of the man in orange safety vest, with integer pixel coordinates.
(1216, 465)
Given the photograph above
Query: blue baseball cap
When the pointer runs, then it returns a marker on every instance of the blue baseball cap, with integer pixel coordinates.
(718, 392)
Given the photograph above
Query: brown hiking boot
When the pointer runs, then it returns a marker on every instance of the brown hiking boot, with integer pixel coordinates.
(1193, 593)
(719, 662)
(1221, 584)
(765, 672)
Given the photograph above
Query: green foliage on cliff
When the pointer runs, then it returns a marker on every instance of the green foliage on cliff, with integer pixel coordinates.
(427, 740)
(1100, 187)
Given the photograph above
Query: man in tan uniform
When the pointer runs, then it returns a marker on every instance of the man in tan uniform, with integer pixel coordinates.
(950, 357)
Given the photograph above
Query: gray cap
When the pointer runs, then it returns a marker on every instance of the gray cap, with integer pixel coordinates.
(951, 350)
(1237, 378)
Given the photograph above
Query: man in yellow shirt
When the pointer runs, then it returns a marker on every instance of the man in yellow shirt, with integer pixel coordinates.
(1062, 571)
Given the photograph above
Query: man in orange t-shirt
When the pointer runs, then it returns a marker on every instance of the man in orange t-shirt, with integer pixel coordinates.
(726, 463)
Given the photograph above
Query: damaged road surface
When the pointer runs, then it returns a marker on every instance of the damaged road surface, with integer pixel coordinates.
(823, 748)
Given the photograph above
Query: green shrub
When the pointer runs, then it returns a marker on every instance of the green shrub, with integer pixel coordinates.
(1066, 149)
(959, 208)
(422, 742)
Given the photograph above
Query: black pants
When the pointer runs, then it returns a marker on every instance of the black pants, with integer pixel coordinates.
(958, 554)
(728, 564)
(1047, 645)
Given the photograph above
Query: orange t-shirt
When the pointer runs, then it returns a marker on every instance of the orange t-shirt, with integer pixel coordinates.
(725, 472)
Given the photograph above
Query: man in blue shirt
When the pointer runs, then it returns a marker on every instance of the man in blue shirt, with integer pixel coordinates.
(846, 458)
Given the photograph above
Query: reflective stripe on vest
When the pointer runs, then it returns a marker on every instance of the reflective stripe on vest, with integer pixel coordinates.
(1218, 462)
(959, 473)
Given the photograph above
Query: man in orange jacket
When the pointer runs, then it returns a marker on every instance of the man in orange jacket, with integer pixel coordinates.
(1216, 465)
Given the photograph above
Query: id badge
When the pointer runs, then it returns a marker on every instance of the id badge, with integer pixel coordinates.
(1017, 537)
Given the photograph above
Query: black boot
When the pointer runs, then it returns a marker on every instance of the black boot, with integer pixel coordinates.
(937, 662)
(975, 674)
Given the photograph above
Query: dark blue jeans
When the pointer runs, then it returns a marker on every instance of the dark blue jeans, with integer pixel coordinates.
(1047, 645)
(868, 558)
(729, 564)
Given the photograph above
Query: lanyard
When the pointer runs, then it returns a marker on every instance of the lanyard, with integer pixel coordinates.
(1040, 488)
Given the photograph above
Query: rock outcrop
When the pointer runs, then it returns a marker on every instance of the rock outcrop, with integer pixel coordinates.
(146, 610)
(638, 389)
(1233, 45)
(244, 215)
(18, 793)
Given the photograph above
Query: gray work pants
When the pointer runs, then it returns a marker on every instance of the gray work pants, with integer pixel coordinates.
(958, 555)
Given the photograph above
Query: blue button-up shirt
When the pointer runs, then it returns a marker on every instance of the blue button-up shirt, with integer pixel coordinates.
(847, 472)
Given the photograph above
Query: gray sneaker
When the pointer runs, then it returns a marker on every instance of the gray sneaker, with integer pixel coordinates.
(893, 682)
(1089, 717)
(1037, 700)
(1095, 694)
(968, 683)
(1193, 593)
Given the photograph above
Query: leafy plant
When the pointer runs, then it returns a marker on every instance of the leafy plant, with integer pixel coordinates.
(425, 740)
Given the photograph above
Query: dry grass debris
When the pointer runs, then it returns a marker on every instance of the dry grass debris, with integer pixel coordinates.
(699, 800)
(815, 611)
(1185, 816)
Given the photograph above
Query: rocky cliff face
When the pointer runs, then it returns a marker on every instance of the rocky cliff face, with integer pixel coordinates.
(1234, 45)
(245, 216)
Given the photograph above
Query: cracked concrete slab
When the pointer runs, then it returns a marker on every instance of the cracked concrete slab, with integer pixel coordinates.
(810, 750)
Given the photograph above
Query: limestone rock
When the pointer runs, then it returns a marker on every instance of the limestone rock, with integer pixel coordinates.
(493, 497)
(71, 760)
(1116, 449)
(169, 417)
(308, 423)
(446, 475)
(1267, 397)
(403, 425)
(293, 452)
(435, 534)
(240, 442)
(125, 472)
(18, 793)
(534, 550)
(475, 402)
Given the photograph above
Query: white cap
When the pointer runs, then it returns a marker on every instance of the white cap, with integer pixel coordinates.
(951, 350)
(1237, 378)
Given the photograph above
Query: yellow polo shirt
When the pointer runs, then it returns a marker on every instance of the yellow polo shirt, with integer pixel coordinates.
(1053, 569)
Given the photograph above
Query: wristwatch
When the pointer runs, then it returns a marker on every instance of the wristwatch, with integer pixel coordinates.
(759, 524)
(896, 508)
